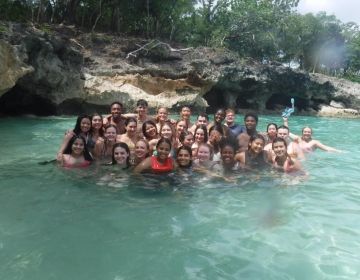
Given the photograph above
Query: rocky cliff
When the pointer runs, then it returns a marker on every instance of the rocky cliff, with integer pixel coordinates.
(58, 69)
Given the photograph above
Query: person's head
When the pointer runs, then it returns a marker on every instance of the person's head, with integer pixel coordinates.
(116, 109)
(184, 156)
(256, 143)
(142, 149)
(142, 107)
(131, 126)
(149, 129)
(279, 147)
(204, 152)
(121, 154)
(219, 116)
(162, 114)
(306, 133)
(83, 124)
(227, 151)
(163, 148)
(110, 133)
(97, 123)
(200, 135)
(77, 147)
(167, 131)
(186, 138)
(271, 129)
(181, 126)
(216, 133)
(202, 119)
(283, 132)
(250, 120)
(185, 113)
(229, 116)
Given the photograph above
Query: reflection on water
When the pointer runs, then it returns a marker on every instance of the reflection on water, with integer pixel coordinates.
(100, 223)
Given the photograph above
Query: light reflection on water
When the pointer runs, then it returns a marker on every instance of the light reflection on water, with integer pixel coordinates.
(67, 224)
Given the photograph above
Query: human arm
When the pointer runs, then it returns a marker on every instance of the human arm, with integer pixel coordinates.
(143, 166)
(68, 135)
(286, 123)
(321, 146)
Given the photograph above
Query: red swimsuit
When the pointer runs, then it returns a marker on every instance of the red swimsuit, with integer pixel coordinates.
(158, 167)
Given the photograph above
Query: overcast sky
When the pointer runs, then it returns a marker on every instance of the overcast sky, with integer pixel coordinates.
(345, 10)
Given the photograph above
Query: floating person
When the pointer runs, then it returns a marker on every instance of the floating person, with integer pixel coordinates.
(121, 155)
(159, 163)
(281, 159)
(116, 118)
(76, 154)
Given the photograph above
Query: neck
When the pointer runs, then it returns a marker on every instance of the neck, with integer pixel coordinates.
(250, 132)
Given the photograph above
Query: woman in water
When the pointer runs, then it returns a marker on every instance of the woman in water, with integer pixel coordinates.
(200, 137)
(161, 163)
(76, 154)
(162, 117)
(150, 133)
(184, 157)
(254, 157)
(141, 152)
(282, 161)
(82, 128)
(271, 133)
(216, 133)
(130, 137)
(167, 131)
(204, 157)
(186, 138)
(104, 146)
(121, 155)
(228, 162)
(97, 128)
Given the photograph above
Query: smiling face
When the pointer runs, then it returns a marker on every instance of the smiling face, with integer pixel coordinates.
(163, 151)
(141, 149)
(188, 140)
(185, 113)
(202, 121)
(96, 122)
(110, 134)
(120, 155)
(215, 136)
(256, 146)
(162, 114)
(272, 132)
(230, 118)
(307, 134)
(219, 116)
(250, 123)
(131, 128)
(203, 153)
(183, 158)
(142, 110)
(116, 111)
(180, 126)
(283, 133)
(85, 125)
(279, 148)
(150, 130)
(166, 131)
(77, 147)
(227, 155)
(199, 135)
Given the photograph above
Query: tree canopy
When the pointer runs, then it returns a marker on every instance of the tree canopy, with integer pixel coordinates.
(266, 30)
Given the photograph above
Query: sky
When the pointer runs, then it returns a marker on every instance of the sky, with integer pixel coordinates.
(344, 10)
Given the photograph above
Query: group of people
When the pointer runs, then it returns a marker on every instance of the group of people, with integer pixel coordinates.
(158, 144)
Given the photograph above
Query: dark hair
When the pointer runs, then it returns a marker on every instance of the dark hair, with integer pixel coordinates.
(203, 127)
(203, 115)
(278, 139)
(254, 137)
(218, 128)
(231, 142)
(269, 124)
(118, 103)
(124, 146)
(185, 106)
(101, 130)
(186, 126)
(283, 127)
(68, 148)
(129, 120)
(163, 140)
(77, 128)
(253, 115)
(183, 135)
(144, 128)
(142, 102)
(188, 149)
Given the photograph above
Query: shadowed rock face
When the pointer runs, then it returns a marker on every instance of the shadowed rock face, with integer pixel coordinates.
(65, 71)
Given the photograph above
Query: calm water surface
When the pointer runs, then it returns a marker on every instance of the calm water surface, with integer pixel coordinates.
(85, 224)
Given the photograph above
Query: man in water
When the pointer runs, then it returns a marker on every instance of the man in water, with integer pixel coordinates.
(235, 129)
(250, 120)
(219, 117)
(141, 115)
(116, 118)
(307, 144)
(202, 119)
(185, 114)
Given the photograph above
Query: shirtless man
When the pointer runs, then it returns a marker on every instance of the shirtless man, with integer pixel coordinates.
(219, 117)
(202, 119)
(185, 115)
(116, 109)
(250, 120)
(308, 145)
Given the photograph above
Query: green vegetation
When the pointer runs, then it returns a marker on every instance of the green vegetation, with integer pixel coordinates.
(266, 30)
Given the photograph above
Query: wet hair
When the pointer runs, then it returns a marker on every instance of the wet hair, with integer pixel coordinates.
(253, 115)
(118, 103)
(203, 127)
(77, 128)
(279, 139)
(209, 147)
(255, 137)
(183, 135)
(270, 124)
(163, 140)
(124, 146)
(129, 120)
(204, 115)
(218, 128)
(283, 127)
(110, 125)
(142, 102)
(101, 130)
(147, 146)
(228, 142)
(68, 148)
(188, 149)
(144, 128)
(185, 106)
(302, 131)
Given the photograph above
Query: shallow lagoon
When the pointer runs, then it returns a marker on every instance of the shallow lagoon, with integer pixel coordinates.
(57, 224)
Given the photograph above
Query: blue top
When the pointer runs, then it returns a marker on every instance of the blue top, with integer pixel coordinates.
(237, 129)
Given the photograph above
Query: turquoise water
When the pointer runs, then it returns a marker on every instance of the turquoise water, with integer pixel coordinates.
(57, 224)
